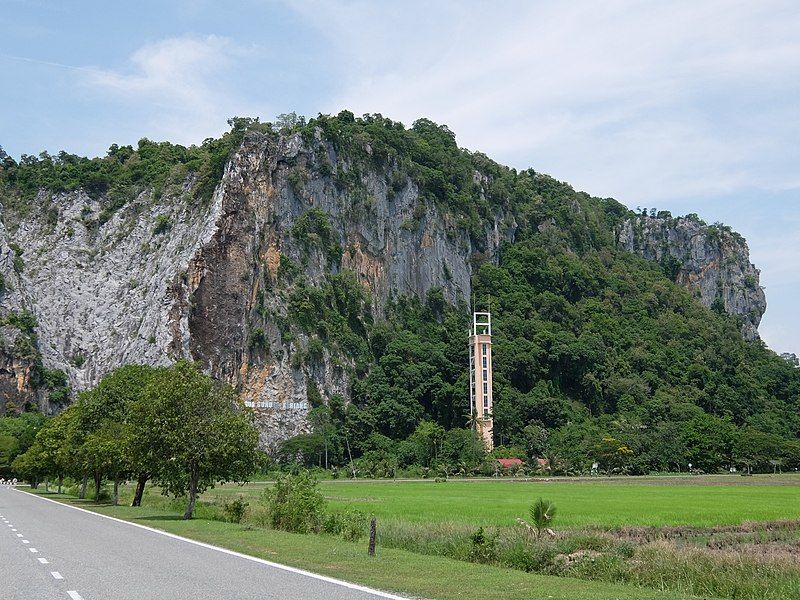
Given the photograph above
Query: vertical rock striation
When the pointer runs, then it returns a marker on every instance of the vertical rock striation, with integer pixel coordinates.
(710, 260)
(175, 278)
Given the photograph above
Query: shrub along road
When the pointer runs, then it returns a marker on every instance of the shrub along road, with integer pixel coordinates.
(53, 551)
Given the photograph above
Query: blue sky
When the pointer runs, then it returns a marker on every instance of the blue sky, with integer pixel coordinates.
(686, 106)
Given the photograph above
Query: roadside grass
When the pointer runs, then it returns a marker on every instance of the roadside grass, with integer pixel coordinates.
(714, 536)
(614, 503)
(395, 570)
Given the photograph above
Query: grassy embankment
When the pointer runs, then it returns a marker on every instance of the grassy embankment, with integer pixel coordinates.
(710, 536)
(396, 570)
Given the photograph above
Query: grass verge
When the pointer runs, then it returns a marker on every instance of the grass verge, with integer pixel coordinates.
(399, 571)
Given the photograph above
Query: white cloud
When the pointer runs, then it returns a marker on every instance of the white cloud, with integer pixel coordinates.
(671, 104)
(641, 101)
(178, 85)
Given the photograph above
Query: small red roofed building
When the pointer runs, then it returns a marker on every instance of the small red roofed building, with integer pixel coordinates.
(508, 463)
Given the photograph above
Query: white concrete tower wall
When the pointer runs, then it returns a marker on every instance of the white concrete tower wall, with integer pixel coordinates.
(480, 371)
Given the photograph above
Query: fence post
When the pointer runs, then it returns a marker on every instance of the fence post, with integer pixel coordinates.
(372, 529)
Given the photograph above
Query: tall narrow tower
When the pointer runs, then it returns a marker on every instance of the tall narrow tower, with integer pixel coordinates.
(480, 376)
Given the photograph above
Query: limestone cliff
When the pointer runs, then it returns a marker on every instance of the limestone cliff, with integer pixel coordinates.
(175, 278)
(711, 261)
(220, 278)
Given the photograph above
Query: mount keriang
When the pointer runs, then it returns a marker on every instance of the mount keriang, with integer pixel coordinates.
(287, 261)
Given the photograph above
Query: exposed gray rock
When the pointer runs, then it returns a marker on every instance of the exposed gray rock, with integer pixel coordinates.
(16, 369)
(711, 261)
(121, 292)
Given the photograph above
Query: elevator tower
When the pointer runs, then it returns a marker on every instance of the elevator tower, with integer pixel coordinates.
(480, 376)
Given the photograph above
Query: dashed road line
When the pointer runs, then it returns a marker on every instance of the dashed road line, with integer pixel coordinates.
(309, 574)
(74, 595)
(44, 561)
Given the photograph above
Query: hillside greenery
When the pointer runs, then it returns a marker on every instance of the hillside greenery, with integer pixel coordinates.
(599, 355)
(124, 172)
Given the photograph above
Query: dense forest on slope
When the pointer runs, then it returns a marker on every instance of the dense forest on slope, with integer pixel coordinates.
(595, 348)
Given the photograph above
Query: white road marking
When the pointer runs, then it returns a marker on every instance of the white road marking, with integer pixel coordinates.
(34, 550)
(74, 595)
(56, 575)
(19, 535)
(347, 584)
(25, 542)
(12, 529)
(44, 561)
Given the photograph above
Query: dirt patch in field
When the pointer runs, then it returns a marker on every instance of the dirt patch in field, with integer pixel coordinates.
(649, 534)
(775, 542)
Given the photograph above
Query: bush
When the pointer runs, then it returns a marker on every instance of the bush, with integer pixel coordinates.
(523, 555)
(350, 524)
(484, 547)
(295, 504)
(25, 321)
(162, 225)
(234, 510)
(258, 339)
(19, 264)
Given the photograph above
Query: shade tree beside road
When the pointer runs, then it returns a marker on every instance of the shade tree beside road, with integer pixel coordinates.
(174, 425)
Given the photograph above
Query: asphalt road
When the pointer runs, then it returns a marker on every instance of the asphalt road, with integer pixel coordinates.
(50, 551)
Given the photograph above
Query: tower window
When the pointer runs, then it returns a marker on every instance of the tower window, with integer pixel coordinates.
(485, 388)
(484, 362)
(484, 349)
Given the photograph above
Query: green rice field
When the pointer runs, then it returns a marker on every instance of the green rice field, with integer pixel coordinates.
(699, 502)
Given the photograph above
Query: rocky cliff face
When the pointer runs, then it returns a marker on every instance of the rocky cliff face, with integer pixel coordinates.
(17, 354)
(172, 278)
(711, 261)
(16, 369)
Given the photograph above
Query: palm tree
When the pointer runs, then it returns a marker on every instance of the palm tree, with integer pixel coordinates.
(542, 514)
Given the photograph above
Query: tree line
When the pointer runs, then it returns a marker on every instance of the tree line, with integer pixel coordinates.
(174, 426)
